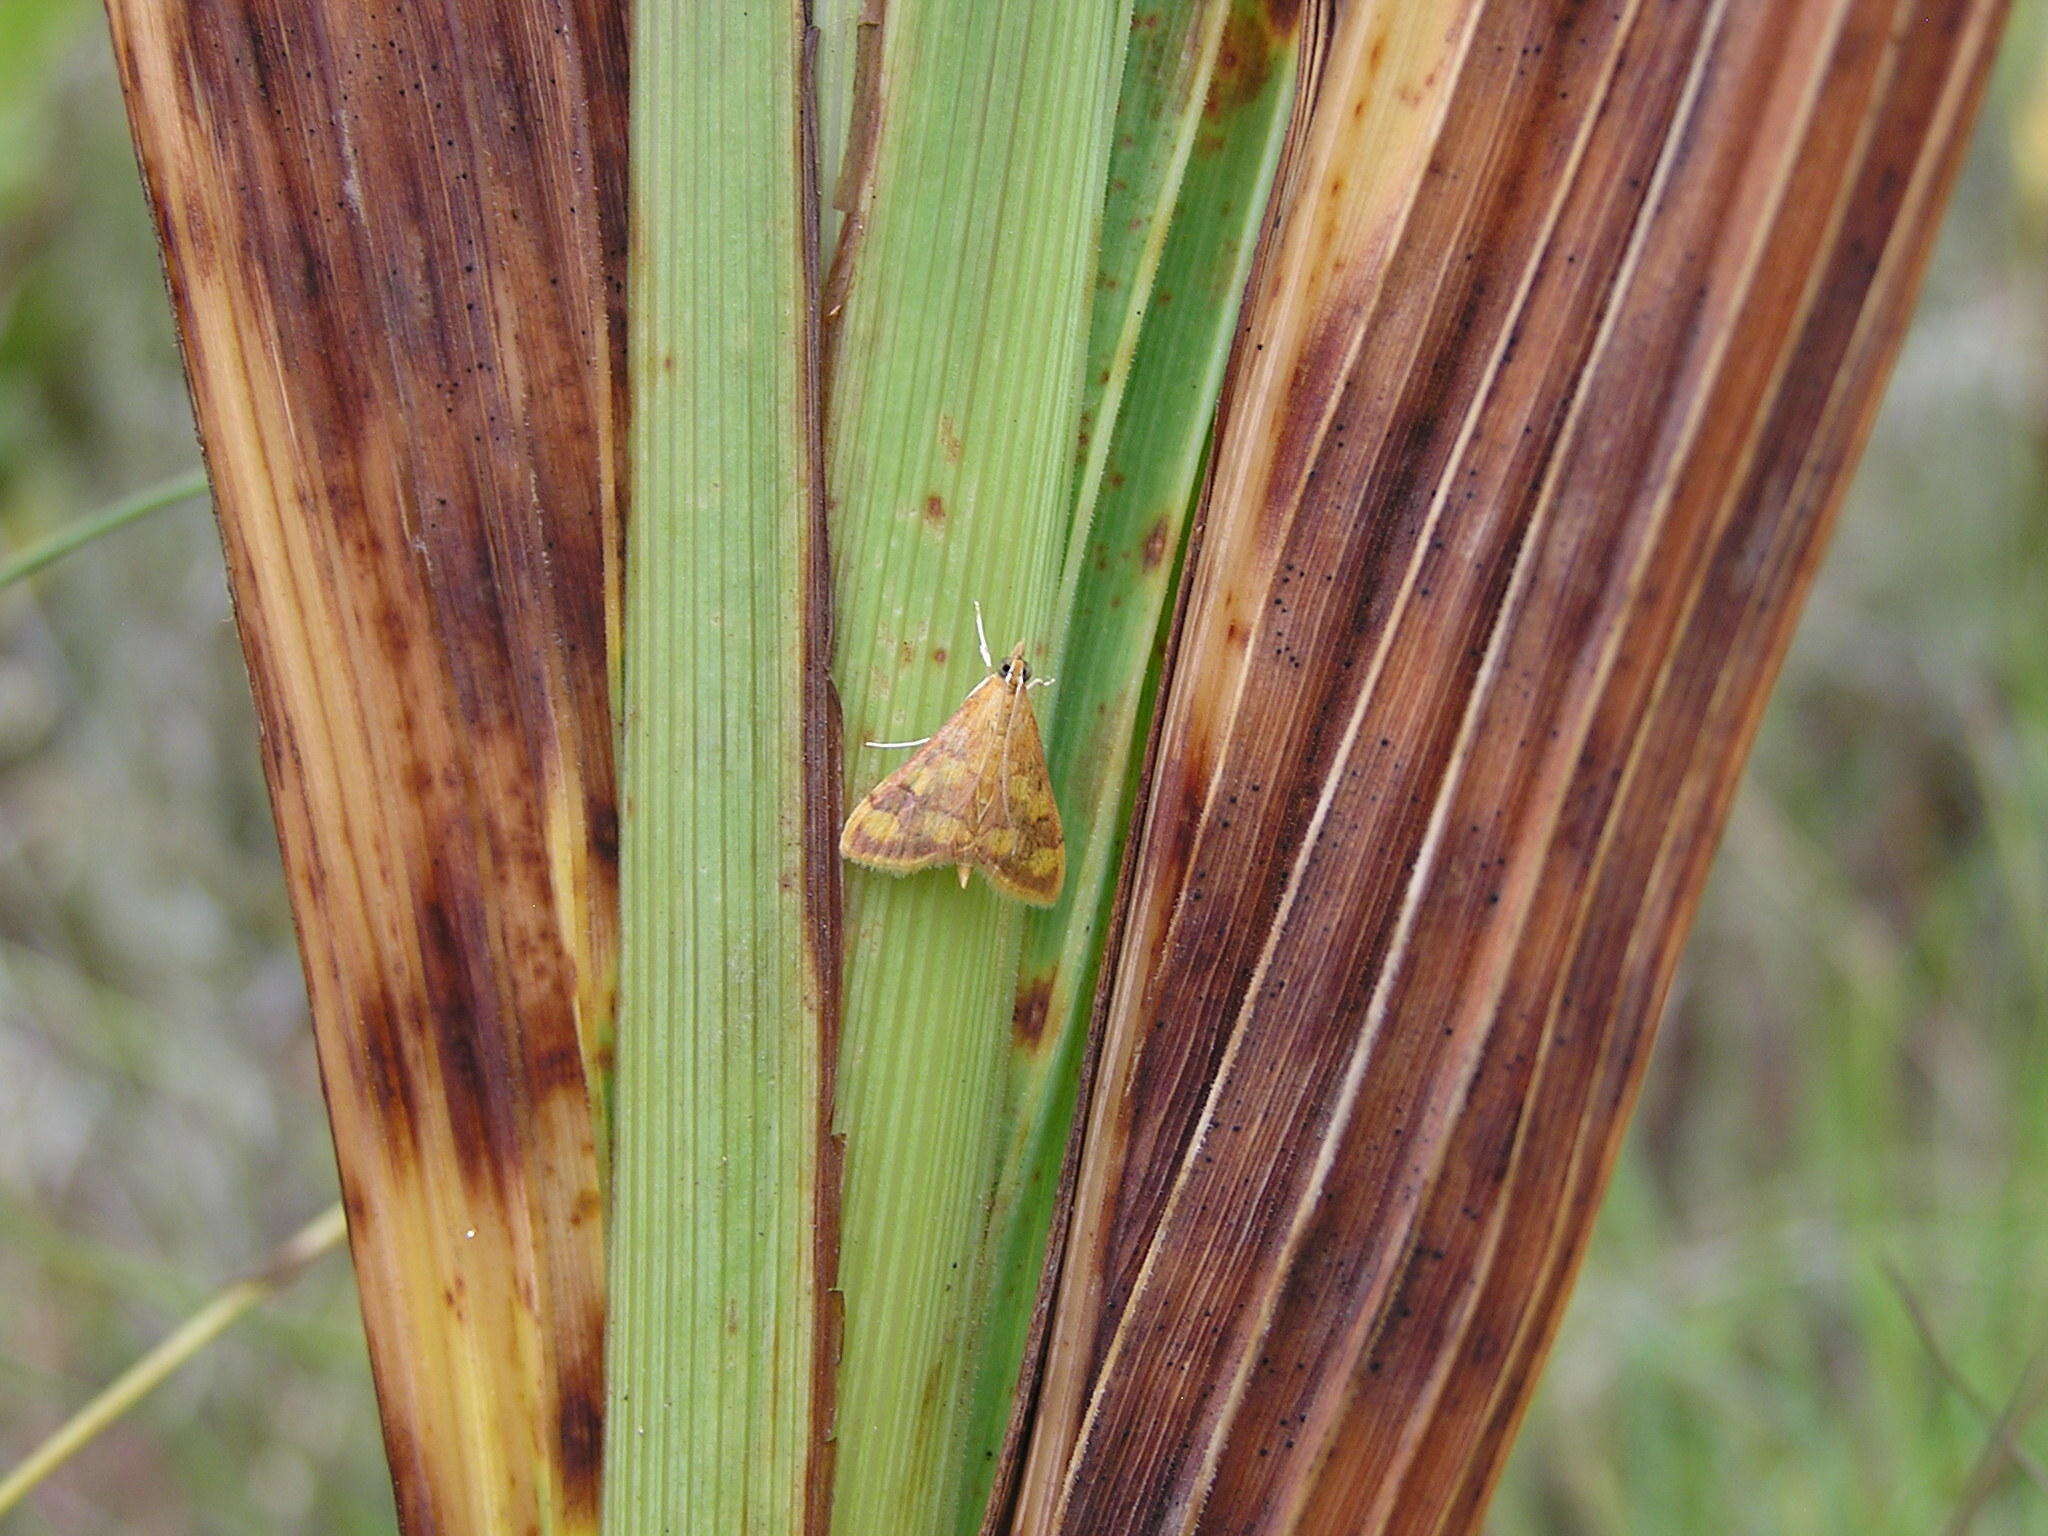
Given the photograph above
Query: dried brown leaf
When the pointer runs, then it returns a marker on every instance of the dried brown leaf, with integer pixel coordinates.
(1540, 417)
(394, 238)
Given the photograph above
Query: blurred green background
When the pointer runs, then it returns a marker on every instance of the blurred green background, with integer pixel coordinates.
(1844, 1137)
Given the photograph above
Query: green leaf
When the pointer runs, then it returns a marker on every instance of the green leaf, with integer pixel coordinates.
(723, 1178)
(960, 1077)
(961, 313)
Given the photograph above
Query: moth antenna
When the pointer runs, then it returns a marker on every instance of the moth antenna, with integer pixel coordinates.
(887, 746)
(1041, 682)
(981, 635)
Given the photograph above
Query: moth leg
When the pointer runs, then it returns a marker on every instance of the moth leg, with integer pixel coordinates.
(887, 746)
(964, 873)
(981, 636)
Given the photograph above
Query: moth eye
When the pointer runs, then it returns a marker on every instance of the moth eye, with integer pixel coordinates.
(1003, 670)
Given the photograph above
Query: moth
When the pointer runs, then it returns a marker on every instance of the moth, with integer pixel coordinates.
(976, 794)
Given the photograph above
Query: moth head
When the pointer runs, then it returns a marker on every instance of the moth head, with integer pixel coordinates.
(1014, 669)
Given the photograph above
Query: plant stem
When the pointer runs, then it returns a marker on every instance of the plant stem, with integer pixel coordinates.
(323, 1233)
(82, 531)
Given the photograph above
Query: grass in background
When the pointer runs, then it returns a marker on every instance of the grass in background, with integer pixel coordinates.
(1854, 1069)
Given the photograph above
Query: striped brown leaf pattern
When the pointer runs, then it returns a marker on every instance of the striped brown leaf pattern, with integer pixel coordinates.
(1568, 330)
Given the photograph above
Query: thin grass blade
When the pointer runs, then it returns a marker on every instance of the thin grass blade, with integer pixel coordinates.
(83, 531)
(319, 1236)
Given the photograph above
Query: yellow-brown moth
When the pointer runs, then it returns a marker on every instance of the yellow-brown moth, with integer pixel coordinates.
(976, 795)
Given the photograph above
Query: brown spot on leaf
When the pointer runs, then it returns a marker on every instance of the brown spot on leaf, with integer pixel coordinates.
(1027, 1019)
(1244, 62)
(557, 1064)
(1153, 550)
(935, 510)
(603, 829)
(949, 440)
(580, 1437)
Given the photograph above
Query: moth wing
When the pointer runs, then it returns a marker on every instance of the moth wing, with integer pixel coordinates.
(924, 813)
(1018, 842)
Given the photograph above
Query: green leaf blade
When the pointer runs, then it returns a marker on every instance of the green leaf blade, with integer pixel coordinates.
(719, 1279)
(955, 399)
